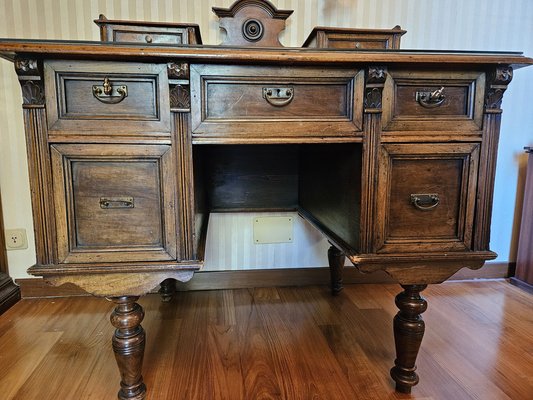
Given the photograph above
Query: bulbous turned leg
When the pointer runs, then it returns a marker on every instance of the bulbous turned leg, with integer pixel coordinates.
(128, 345)
(408, 333)
(167, 289)
(336, 267)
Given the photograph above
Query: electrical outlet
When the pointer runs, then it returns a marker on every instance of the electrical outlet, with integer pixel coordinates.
(16, 239)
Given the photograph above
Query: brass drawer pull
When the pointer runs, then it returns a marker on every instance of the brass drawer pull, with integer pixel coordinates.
(116, 202)
(108, 94)
(431, 99)
(278, 97)
(425, 202)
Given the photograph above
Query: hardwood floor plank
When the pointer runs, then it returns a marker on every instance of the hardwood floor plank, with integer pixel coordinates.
(276, 343)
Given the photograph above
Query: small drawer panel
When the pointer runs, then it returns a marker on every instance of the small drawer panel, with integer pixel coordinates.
(89, 96)
(147, 32)
(354, 39)
(359, 42)
(271, 101)
(150, 36)
(426, 197)
(433, 101)
(114, 203)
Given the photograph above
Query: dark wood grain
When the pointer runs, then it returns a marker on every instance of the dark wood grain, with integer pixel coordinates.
(128, 346)
(409, 330)
(330, 188)
(251, 177)
(524, 257)
(336, 260)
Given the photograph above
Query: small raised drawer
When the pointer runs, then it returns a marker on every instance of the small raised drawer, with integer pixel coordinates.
(433, 101)
(354, 39)
(426, 197)
(147, 32)
(258, 102)
(116, 97)
(114, 203)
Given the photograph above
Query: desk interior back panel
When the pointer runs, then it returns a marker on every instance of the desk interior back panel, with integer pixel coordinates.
(330, 189)
(250, 177)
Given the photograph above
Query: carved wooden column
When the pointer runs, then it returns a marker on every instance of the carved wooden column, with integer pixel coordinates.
(30, 75)
(336, 260)
(408, 333)
(128, 345)
(375, 80)
(180, 109)
(496, 84)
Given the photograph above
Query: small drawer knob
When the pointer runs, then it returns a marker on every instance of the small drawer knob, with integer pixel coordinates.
(148, 39)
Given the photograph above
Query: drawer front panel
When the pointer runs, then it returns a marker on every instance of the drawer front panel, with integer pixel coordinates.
(426, 197)
(354, 41)
(137, 99)
(433, 101)
(274, 101)
(114, 203)
(150, 36)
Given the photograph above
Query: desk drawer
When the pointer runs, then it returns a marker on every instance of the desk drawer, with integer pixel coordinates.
(150, 36)
(136, 98)
(114, 203)
(249, 101)
(433, 101)
(426, 197)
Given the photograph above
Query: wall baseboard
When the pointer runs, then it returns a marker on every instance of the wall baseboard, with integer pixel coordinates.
(213, 280)
(522, 285)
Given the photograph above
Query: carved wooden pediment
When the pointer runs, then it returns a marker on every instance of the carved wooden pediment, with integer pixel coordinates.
(252, 23)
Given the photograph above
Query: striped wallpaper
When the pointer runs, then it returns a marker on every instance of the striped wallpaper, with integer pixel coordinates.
(430, 24)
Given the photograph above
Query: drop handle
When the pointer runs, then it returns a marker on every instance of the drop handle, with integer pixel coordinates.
(431, 99)
(109, 94)
(425, 201)
(278, 97)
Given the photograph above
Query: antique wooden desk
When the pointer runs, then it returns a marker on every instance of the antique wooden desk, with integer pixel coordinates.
(391, 154)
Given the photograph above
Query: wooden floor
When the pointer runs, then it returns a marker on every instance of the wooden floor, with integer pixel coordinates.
(285, 343)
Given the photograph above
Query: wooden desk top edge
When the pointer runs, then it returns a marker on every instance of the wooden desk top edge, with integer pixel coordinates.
(10, 48)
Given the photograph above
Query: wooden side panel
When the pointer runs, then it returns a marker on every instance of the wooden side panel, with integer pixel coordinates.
(330, 189)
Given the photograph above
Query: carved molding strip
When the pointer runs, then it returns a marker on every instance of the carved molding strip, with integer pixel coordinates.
(25, 66)
(375, 80)
(178, 70)
(32, 92)
(180, 98)
(30, 76)
(497, 82)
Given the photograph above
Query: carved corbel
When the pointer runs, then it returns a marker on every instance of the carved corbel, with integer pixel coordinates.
(178, 75)
(497, 82)
(375, 80)
(31, 81)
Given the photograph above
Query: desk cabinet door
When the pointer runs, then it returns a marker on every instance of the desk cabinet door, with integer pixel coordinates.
(114, 203)
(426, 197)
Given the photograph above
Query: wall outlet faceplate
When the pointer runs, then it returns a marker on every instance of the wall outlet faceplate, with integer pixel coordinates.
(16, 239)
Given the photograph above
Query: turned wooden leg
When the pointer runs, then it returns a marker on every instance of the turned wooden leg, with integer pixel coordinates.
(336, 266)
(408, 332)
(167, 289)
(128, 345)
